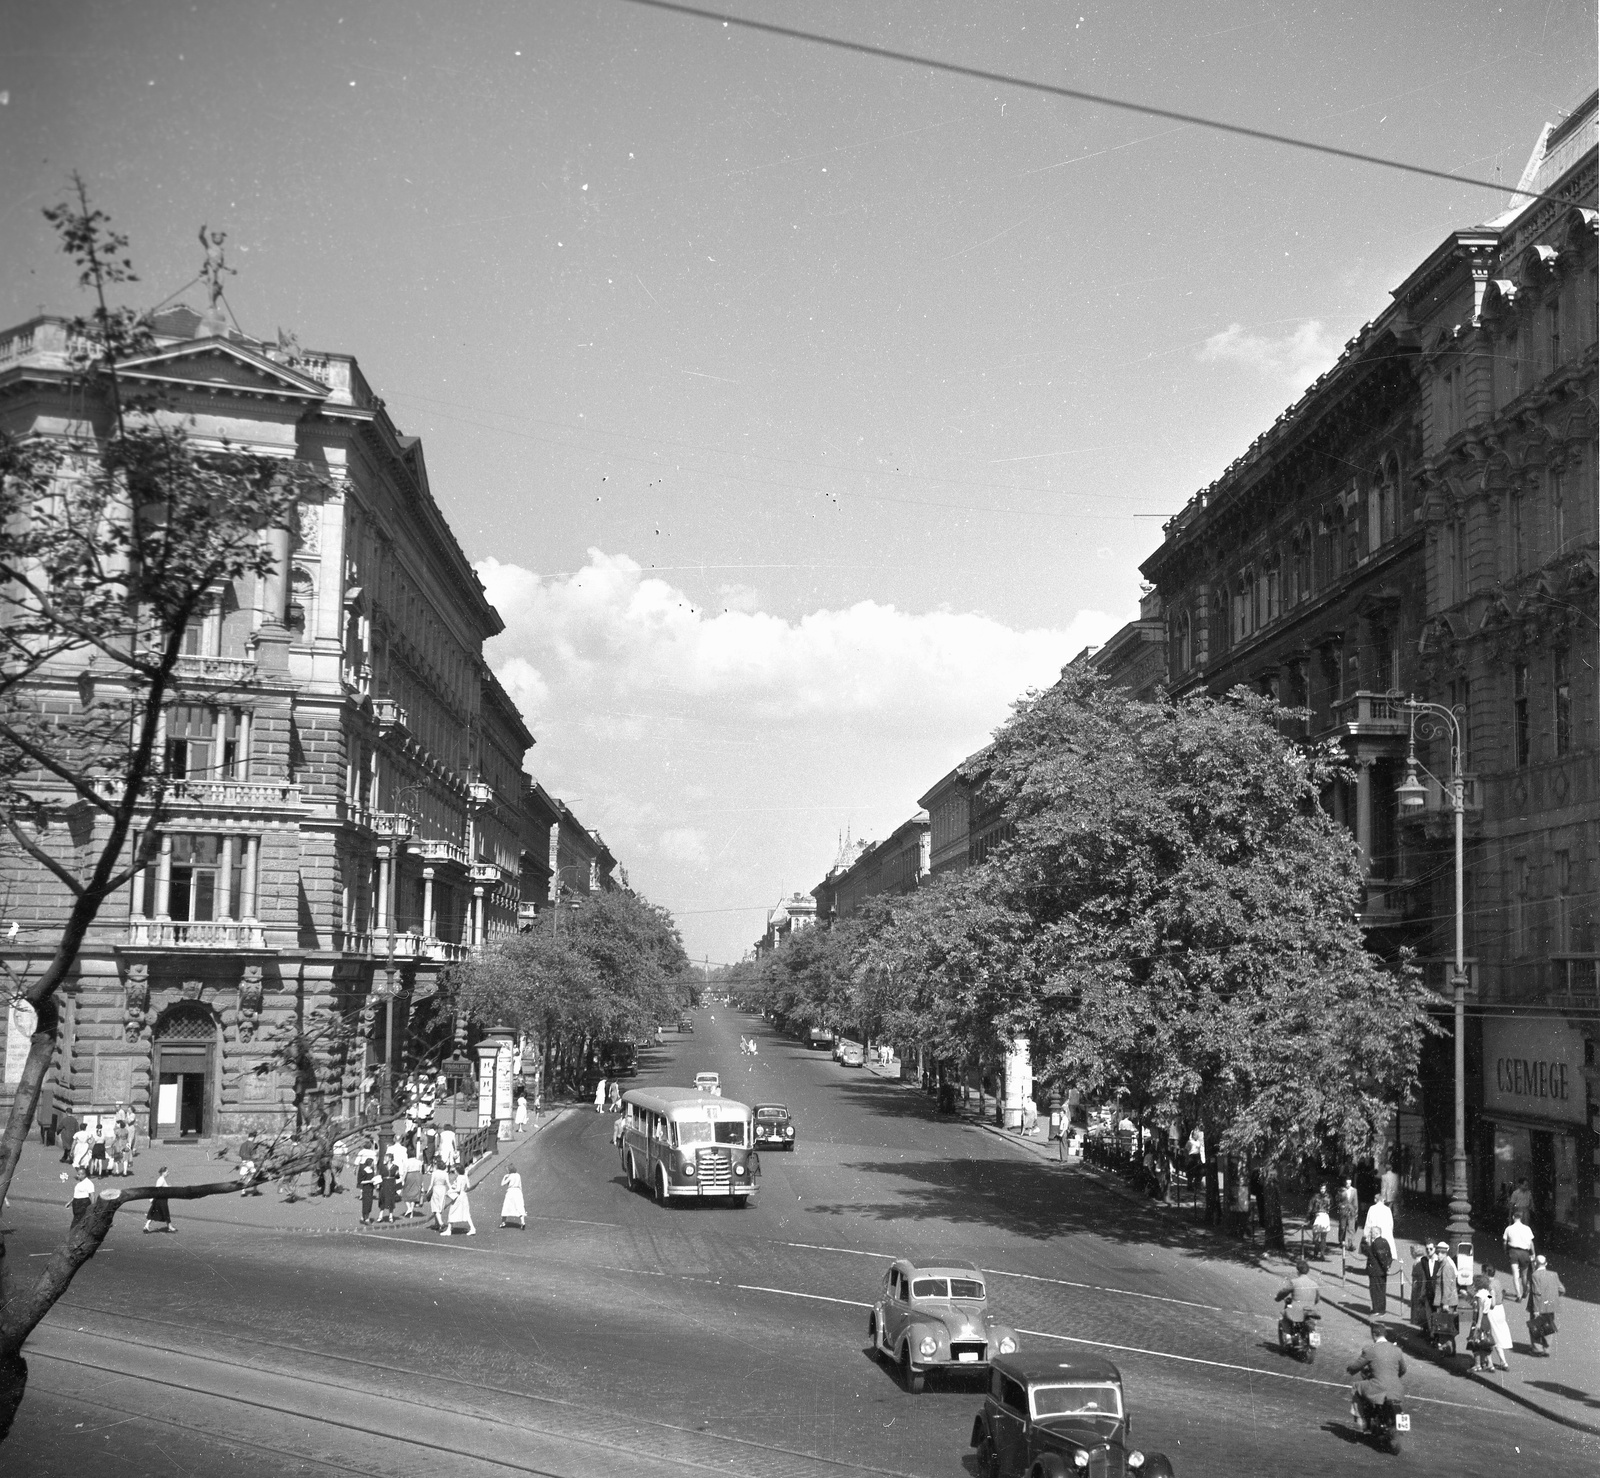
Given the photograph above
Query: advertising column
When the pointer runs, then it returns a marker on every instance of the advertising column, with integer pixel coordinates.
(1536, 1114)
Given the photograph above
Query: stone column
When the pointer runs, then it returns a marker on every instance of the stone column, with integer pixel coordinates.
(225, 897)
(383, 892)
(428, 929)
(1364, 813)
(252, 860)
(164, 880)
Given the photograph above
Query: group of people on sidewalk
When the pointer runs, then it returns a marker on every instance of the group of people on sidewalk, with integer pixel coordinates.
(90, 1149)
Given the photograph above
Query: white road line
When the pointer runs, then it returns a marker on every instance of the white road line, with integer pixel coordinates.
(790, 1293)
(1124, 1292)
(854, 1252)
(1309, 1380)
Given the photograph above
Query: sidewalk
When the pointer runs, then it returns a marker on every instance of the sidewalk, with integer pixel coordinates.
(38, 1184)
(1565, 1386)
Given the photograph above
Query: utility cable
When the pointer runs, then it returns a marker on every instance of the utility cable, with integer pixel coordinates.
(1077, 95)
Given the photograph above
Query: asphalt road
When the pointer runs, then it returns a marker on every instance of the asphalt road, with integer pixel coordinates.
(614, 1336)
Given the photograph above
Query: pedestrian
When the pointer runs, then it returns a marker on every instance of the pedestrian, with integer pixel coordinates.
(460, 1207)
(1497, 1319)
(336, 1163)
(449, 1149)
(367, 1184)
(512, 1209)
(1349, 1214)
(83, 1196)
(1389, 1187)
(1544, 1298)
(1446, 1287)
(388, 1190)
(600, 1096)
(1522, 1200)
(121, 1149)
(439, 1194)
(1380, 1223)
(520, 1117)
(614, 1096)
(430, 1143)
(159, 1216)
(1421, 1285)
(1518, 1239)
(67, 1131)
(410, 1187)
(97, 1149)
(1380, 1258)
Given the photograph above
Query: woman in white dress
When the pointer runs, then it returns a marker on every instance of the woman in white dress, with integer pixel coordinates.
(460, 1208)
(520, 1118)
(512, 1209)
(600, 1096)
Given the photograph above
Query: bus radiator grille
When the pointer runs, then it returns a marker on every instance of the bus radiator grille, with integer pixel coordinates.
(716, 1169)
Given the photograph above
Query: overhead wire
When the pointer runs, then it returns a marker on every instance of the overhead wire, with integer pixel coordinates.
(1080, 95)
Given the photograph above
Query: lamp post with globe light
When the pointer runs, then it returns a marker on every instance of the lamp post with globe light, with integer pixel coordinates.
(1434, 720)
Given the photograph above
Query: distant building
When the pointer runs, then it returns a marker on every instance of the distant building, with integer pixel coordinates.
(1135, 658)
(896, 865)
(792, 914)
(966, 823)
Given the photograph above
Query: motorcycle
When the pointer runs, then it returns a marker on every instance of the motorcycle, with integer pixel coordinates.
(1300, 1339)
(1384, 1424)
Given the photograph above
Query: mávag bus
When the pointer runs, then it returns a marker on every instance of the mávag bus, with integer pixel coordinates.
(680, 1142)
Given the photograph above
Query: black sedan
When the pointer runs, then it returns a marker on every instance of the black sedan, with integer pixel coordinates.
(774, 1127)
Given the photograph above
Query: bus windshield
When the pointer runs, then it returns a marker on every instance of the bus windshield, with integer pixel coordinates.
(700, 1131)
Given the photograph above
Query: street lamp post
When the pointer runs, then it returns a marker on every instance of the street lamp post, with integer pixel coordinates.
(1437, 720)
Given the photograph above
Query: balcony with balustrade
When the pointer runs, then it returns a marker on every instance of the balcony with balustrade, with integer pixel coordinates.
(208, 794)
(436, 851)
(391, 717)
(184, 934)
(225, 672)
(1372, 715)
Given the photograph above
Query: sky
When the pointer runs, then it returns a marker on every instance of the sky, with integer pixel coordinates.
(800, 410)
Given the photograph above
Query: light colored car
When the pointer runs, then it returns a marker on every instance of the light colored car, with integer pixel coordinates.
(708, 1083)
(935, 1315)
(851, 1055)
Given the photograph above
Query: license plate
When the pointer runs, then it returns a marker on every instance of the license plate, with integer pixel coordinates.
(1402, 1423)
(966, 1357)
(1316, 1338)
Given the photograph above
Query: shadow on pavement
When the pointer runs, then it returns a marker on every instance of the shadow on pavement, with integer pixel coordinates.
(1012, 1196)
(1583, 1398)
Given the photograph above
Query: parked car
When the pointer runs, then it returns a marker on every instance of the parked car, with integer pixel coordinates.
(685, 1024)
(1048, 1415)
(935, 1315)
(818, 1036)
(774, 1127)
(708, 1083)
(851, 1055)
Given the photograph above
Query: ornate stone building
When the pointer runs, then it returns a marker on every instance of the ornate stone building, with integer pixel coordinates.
(1423, 522)
(349, 815)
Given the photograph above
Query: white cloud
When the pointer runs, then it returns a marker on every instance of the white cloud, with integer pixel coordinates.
(721, 751)
(1295, 358)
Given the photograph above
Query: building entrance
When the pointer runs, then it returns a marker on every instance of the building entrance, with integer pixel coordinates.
(185, 1073)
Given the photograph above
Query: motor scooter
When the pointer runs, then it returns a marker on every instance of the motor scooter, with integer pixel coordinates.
(1301, 1338)
(1383, 1423)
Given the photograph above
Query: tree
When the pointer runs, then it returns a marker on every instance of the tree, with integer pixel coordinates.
(616, 970)
(111, 537)
(1194, 920)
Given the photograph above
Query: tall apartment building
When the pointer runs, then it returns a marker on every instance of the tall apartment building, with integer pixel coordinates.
(1423, 522)
(349, 815)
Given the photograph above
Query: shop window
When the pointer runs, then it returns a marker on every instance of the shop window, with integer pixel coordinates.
(1561, 692)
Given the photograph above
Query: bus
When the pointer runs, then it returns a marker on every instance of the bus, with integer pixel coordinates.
(679, 1142)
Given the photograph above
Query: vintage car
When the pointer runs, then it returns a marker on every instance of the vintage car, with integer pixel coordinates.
(851, 1055)
(1049, 1417)
(935, 1315)
(818, 1036)
(685, 1024)
(774, 1127)
(708, 1083)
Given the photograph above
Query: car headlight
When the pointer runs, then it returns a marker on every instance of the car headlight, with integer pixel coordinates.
(1080, 1459)
(789, 1132)
(929, 1345)
(1135, 1459)
(1008, 1346)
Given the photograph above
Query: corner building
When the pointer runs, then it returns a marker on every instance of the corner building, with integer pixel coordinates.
(348, 817)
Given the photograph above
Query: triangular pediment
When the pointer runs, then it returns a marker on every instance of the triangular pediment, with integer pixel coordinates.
(220, 365)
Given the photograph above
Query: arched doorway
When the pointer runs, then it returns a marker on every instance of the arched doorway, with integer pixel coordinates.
(184, 1072)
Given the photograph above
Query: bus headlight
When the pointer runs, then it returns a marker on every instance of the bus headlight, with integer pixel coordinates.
(1008, 1346)
(688, 1164)
(1136, 1459)
(1080, 1459)
(738, 1170)
(929, 1345)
